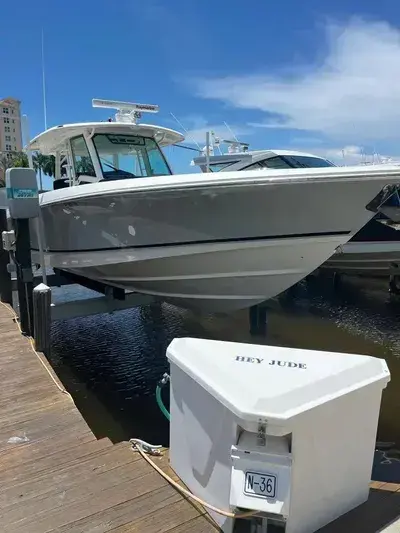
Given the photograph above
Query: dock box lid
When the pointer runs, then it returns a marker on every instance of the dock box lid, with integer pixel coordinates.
(255, 381)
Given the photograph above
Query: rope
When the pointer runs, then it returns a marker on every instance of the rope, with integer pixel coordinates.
(144, 448)
(32, 344)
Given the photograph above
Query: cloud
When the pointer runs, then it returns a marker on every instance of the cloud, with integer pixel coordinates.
(353, 94)
(306, 140)
(350, 155)
(353, 153)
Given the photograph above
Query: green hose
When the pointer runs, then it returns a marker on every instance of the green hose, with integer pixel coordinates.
(160, 402)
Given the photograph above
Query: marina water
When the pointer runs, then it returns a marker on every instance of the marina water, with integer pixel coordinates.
(112, 363)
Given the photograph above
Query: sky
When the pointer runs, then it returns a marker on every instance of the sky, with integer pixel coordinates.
(318, 76)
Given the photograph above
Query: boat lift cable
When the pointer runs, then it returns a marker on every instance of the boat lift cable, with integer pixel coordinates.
(145, 449)
(31, 341)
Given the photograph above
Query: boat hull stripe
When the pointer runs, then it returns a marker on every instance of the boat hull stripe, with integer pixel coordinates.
(206, 241)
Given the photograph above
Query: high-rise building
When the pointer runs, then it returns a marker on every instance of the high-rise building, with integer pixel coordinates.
(10, 125)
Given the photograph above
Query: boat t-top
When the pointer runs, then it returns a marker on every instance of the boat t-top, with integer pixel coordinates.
(210, 241)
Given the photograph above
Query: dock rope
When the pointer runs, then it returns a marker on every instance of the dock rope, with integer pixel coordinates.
(32, 344)
(144, 448)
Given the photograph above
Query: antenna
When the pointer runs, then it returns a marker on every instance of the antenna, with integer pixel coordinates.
(185, 130)
(44, 85)
(27, 140)
(234, 146)
(231, 132)
(127, 111)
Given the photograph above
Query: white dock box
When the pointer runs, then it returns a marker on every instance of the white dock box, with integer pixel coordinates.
(288, 432)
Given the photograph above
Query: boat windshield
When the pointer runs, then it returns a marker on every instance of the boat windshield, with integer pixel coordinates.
(217, 167)
(300, 161)
(290, 161)
(129, 156)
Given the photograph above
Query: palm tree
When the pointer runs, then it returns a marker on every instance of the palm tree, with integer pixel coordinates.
(46, 164)
(49, 167)
(38, 163)
(4, 165)
(10, 160)
(19, 159)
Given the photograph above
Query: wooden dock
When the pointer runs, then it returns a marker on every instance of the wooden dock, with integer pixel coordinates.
(55, 476)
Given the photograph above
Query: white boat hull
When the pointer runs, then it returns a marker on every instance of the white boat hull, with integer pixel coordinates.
(378, 259)
(214, 243)
(221, 278)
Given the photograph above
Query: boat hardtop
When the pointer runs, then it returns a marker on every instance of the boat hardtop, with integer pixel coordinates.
(54, 139)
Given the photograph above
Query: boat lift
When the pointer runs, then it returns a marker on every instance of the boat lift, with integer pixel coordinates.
(31, 295)
(33, 304)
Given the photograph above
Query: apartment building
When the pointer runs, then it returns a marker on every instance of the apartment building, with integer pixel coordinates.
(10, 125)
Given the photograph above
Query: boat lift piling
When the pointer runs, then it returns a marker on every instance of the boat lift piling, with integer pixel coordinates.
(258, 320)
(20, 197)
(42, 318)
(5, 276)
(23, 264)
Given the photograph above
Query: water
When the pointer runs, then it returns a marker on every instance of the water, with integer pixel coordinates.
(112, 363)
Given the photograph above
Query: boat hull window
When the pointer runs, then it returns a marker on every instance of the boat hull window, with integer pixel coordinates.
(129, 156)
(83, 163)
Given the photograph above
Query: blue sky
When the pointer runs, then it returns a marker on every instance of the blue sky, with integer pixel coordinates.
(312, 75)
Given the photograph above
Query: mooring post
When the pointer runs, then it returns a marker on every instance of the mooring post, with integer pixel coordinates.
(258, 320)
(24, 274)
(337, 280)
(5, 276)
(42, 318)
(394, 278)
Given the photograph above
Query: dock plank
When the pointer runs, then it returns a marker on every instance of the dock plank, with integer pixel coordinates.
(165, 519)
(64, 480)
(105, 499)
(200, 524)
(40, 468)
(124, 514)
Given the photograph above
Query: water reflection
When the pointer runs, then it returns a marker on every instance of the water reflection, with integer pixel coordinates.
(112, 363)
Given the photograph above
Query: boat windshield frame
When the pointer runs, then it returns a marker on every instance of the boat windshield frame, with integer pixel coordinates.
(144, 154)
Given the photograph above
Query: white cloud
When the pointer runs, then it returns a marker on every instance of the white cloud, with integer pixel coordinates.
(350, 155)
(347, 155)
(353, 95)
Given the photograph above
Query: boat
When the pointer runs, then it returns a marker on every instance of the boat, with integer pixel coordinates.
(375, 248)
(214, 242)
